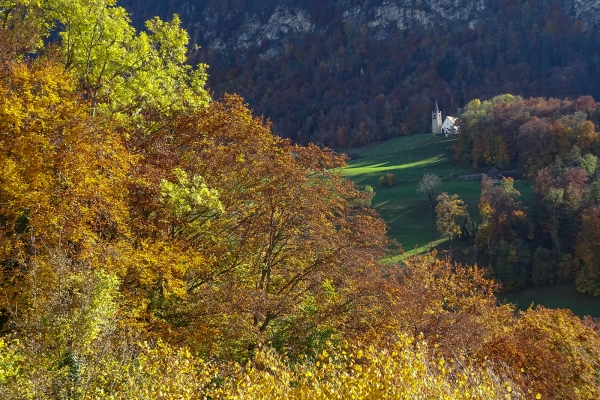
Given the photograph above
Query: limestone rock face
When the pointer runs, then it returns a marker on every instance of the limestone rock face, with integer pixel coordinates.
(586, 11)
(403, 13)
(283, 20)
(222, 25)
(274, 20)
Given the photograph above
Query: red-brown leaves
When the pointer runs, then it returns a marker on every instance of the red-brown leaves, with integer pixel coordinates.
(511, 132)
(289, 224)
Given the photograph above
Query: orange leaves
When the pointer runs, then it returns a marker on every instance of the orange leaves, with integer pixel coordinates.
(286, 223)
(550, 352)
(448, 304)
(526, 134)
(216, 235)
(554, 351)
(63, 181)
(447, 210)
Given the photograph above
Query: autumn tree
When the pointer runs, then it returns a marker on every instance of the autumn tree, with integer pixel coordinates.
(288, 239)
(24, 26)
(129, 259)
(503, 232)
(454, 306)
(369, 193)
(448, 209)
(388, 180)
(527, 134)
(500, 210)
(561, 194)
(64, 220)
(121, 69)
(588, 278)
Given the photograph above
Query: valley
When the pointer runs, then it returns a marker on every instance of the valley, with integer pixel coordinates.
(412, 224)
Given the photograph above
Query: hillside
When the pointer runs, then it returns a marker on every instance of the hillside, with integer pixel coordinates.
(408, 215)
(347, 72)
(407, 212)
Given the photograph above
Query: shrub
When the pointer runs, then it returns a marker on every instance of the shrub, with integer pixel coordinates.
(388, 180)
(371, 193)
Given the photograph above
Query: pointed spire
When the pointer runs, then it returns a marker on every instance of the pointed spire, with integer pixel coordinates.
(437, 109)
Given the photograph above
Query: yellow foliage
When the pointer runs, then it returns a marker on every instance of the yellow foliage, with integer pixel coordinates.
(63, 179)
(406, 370)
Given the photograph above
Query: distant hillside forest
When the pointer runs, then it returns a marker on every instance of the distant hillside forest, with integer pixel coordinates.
(346, 85)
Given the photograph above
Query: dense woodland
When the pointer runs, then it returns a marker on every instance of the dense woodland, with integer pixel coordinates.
(553, 142)
(347, 84)
(160, 244)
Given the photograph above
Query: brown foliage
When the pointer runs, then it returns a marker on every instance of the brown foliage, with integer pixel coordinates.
(526, 134)
(289, 234)
(454, 307)
(588, 280)
(62, 174)
(218, 237)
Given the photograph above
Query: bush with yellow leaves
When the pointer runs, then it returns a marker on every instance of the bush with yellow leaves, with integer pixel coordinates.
(405, 371)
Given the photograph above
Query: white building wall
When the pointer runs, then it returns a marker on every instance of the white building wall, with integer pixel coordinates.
(449, 126)
(436, 122)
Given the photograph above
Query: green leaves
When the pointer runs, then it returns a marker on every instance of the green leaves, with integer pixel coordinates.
(123, 71)
(92, 299)
(190, 200)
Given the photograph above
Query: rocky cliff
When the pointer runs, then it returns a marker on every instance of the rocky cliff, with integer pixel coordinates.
(586, 11)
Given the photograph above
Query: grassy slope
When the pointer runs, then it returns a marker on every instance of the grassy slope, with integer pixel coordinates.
(406, 211)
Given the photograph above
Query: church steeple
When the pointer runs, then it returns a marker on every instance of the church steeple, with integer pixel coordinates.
(436, 120)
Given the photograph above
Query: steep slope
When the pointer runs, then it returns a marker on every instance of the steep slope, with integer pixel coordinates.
(352, 71)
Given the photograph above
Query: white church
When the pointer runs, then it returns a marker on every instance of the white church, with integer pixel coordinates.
(448, 127)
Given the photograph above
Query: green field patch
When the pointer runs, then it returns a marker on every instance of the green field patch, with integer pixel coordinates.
(358, 169)
(410, 219)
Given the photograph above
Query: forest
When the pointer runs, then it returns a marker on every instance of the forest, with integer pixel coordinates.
(157, 243)
(554, 143)
(345, 84)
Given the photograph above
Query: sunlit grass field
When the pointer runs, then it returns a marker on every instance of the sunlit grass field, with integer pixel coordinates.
(407, 213)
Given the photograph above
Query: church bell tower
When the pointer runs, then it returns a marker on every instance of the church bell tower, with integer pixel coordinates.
(436, 120)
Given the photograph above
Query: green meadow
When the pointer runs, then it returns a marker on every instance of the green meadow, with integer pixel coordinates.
(407, 213)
